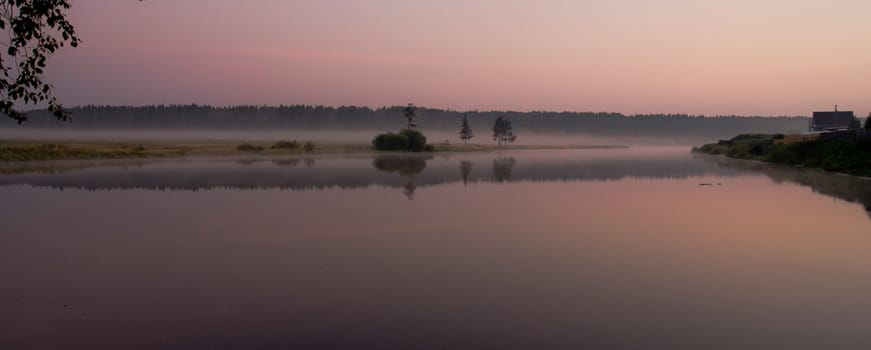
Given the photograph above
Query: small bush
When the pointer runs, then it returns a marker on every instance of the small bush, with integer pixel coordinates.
(286, 145)
(247, 147)
(405, 140)
(760, 148)
(308, 146)
(416, 140)
(390, 142)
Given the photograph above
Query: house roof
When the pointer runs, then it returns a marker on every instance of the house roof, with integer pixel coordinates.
(838, 119)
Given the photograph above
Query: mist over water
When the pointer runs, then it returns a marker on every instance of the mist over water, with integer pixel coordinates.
(525, 137)
(359, 124)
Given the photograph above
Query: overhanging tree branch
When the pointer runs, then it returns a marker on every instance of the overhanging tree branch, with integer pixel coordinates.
(36, 29)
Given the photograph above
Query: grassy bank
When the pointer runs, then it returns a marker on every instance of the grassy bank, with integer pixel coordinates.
(26, 151)
(59, 150)
(843, 155)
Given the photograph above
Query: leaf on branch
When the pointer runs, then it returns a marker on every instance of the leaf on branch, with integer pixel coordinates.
(37, 29)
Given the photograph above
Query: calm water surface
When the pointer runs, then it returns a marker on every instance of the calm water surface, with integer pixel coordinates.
(600, 249)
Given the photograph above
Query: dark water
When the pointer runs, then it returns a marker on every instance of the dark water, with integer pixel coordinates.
(602, 249)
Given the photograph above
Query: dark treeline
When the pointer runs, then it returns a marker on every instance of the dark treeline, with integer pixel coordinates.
(388, 118)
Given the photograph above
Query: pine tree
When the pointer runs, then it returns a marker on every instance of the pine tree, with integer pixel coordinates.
(466, 132)
(411, 116)
(502, 132)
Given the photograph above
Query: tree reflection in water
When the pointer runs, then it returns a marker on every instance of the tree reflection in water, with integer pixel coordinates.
(465, 170)
(407, 166)
(406, 171)
(291, 162)
(502, 168)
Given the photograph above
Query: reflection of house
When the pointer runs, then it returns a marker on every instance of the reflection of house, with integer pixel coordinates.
(830, 121)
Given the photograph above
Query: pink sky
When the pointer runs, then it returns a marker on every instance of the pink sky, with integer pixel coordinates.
(762, 57)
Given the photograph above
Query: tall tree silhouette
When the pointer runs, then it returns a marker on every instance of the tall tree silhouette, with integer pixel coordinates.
(502, 132)
(410, 115)
(36, 29)
(466, 132)
(868, 122)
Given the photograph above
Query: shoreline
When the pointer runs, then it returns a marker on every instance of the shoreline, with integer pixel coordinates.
(41, 150)
(844, 155)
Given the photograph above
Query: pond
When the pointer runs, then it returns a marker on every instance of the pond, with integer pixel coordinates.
(540, 249)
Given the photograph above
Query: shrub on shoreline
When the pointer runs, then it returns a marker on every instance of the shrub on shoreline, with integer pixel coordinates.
(845, 155)
(247, 147)
(286, 145)
(405, 140)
